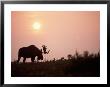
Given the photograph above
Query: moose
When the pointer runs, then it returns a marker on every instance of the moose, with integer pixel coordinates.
(30, 52)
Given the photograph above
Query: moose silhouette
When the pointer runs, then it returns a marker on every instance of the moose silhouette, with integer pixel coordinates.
(30, 52)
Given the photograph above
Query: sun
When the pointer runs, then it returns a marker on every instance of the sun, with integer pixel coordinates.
(36, 26)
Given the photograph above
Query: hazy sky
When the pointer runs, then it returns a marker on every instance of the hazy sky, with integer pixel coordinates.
(62, 32)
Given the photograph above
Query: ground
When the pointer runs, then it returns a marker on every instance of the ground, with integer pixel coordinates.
(81, 67)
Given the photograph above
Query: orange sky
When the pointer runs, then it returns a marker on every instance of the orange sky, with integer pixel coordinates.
(62, 32)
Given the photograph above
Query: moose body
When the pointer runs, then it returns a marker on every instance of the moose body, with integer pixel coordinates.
(30, 52)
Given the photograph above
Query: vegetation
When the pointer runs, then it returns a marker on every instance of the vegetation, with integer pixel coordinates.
(77, 65)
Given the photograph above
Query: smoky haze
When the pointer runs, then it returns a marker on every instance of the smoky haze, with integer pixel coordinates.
(62, 32)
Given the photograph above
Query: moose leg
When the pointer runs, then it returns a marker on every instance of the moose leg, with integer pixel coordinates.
(37, 60)
(18, 59)
(32, 59)
(24, 60)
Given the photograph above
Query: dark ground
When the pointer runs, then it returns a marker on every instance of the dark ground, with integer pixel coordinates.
(80, 67)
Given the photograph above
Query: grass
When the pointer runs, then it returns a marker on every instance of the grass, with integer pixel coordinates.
(82, 66)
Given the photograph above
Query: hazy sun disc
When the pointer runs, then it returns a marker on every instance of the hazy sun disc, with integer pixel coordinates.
(37, 26)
